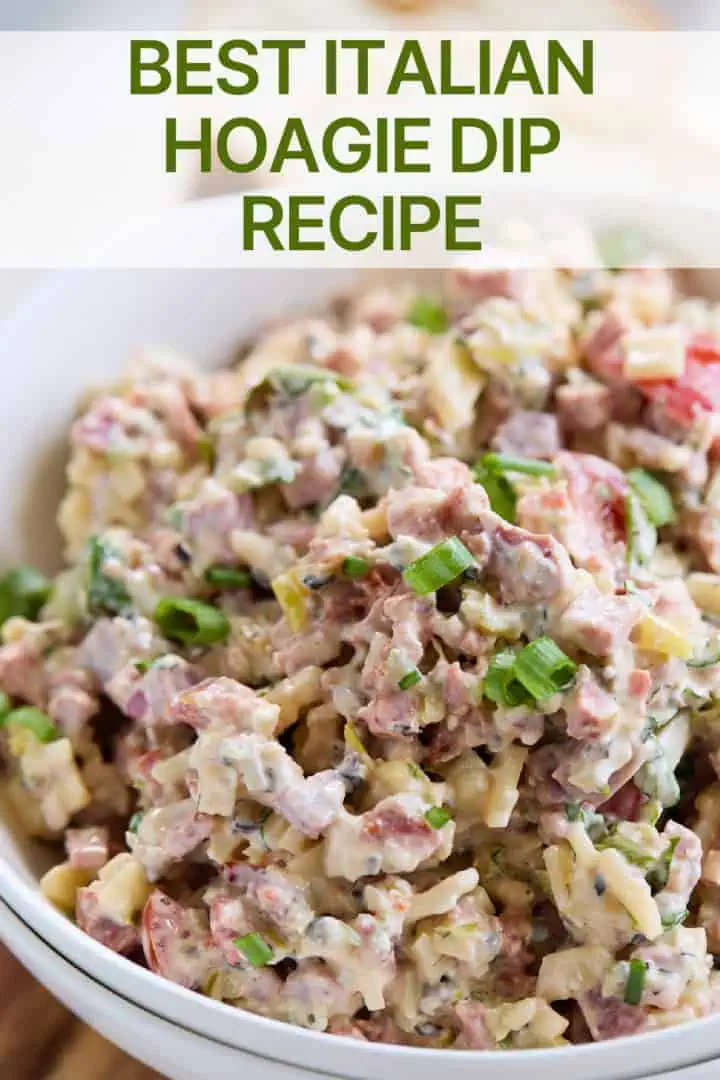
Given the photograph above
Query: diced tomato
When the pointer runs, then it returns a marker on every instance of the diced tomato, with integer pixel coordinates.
(697, 390)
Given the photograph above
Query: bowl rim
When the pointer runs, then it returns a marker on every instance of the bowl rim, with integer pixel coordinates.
(67, 940)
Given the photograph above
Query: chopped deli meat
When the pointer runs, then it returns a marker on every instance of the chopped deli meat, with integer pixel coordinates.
(380, 692)
(87, 849)
(528, 434)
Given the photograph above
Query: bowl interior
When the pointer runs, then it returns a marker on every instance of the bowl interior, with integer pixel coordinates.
(77, 330)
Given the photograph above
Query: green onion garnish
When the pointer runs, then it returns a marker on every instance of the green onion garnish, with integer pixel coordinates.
(438, 567)
(429, 315)
(654, 497)
(355, 567)
(630, 850)
(668, 921)
(499, 490)
(23, 591)
(544, 669)
(437, 816)
(505, 463)
(708, 656)
(500, 684)
(657, 878)
(254, 949)
(134, 822)
(191, 621)
(228, 577)
(143, 666)
(5, 705)
(635, 982)
(36, 722)
(412, 678)
(105, 594)
(296, 379)
(206, 450)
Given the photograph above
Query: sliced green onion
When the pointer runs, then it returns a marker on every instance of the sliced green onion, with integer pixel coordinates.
(654, 497)
(143, 666)
(191, 621)
(228, 577)
(544, 669)
(573, 811)
(23, 591)
(641, 533)
(437, 816)
(5, 705)
(500, 684)
(34, 720)
(355, 567)
(635, 982)
(657, 878)
(504, 463)
(668, 921)
(499, 490)
(134, 822)
(429, 315)
(254, 949)
(412, 678)
(631, 851)
(296, 379)
(438, 567)
(206, 450)
(105, 594)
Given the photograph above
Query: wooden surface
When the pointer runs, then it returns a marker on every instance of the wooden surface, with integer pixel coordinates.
(41, 1040)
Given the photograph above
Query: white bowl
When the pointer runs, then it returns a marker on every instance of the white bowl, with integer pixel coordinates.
(169, 1048)
(79, 328)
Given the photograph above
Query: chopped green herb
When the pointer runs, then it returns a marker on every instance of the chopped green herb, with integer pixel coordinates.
(708, 656)
(635, 982)
(437, 816)
(429, 315)
(143, 665)
(438, 567)
(228, 577)
(254, 949)
(544, 669)
(506, 463)
(641, 534)
(191, 622)
(355, 567)
(499, 491)
(105, 594)
(668, 921)
(657, 878)
(352, 481)
(412, 678)
(627, 848)
(296, 379)
(134, 823)
(500, 684)
(34, 720)
(573, 811)
(654, 497)
(5, 705)
(23, 592)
